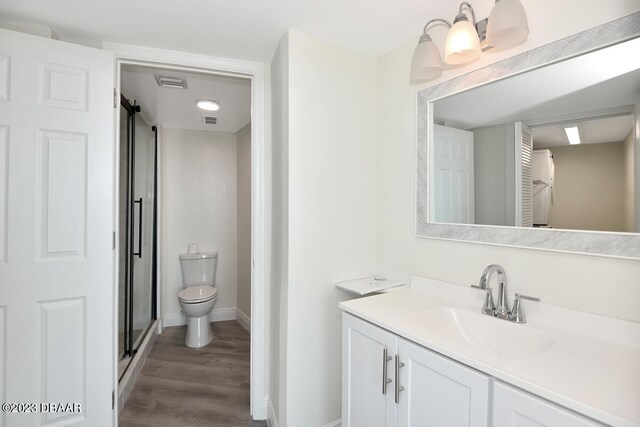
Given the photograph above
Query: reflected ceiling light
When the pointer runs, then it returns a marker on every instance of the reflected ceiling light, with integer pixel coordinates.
(573, 135)
(207, 105)
(508, 25)
(462, 45)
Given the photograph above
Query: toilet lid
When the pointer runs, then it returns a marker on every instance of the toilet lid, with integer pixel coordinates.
(199, 293)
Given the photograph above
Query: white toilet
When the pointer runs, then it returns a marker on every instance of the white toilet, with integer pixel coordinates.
(198, 296)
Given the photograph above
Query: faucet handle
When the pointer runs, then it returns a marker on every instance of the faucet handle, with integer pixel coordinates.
(517, 315)
(527, 297)
(489, 308)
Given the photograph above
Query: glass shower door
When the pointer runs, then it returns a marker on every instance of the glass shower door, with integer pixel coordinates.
(142, 219)
(138, 177)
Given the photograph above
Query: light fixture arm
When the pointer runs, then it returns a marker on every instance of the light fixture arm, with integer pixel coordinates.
(425, 36)
(473, 13)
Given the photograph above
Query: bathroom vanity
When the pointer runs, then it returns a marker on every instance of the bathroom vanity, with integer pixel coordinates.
(426, 356)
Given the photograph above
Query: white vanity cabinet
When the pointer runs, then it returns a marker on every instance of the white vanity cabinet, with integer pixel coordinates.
(513, 407)
(439, 391)
(365, 366)
(429, 389)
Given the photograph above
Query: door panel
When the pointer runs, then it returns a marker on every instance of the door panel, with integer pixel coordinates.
(440, 392)
(454, 187)
(364, 404)
(513, 407)
(56, 222)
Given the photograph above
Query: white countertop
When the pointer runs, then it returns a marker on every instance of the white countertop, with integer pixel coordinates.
(597, 375)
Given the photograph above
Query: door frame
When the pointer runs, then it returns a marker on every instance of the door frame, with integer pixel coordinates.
(260, 186)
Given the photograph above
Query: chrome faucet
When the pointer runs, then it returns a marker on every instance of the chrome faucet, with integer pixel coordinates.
(501, 311)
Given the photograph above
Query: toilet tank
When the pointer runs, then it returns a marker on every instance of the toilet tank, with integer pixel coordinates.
(198, 268)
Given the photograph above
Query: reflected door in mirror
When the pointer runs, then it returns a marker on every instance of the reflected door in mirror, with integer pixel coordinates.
(454, 166)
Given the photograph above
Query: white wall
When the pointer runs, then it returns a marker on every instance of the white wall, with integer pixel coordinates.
(279, 234)
(590, 187)
(629, 178)
(332, 167)
(198, 205)
(243, 154)
(494, 173)
(590, 283)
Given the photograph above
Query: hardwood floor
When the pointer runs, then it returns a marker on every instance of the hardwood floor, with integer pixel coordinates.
(182, 386)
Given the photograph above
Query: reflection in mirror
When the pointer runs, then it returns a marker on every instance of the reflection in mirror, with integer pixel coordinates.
(506, 153)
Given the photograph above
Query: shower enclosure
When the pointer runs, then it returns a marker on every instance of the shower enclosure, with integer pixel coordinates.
(137, 230)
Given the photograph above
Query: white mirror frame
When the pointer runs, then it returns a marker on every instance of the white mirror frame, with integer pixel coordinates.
(625, 245)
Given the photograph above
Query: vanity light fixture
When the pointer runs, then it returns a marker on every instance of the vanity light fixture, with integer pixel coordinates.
(207, 105)
(463, 43)
(507, 26)
(573, 135)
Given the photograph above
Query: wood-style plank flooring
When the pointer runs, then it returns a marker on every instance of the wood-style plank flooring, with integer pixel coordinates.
(182, 386)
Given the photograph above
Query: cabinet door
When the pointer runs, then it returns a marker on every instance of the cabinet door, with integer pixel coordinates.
(440, 392)
(516, 408)
(363, 400)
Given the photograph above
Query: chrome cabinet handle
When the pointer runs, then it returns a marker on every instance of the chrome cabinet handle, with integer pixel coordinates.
(399, 388)
(385, 359)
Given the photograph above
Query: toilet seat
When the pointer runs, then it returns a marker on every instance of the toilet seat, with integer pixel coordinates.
(197, 294)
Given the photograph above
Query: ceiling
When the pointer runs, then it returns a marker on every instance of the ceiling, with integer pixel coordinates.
(609, 129)
(241, 29)
(601, 84)
(176, 108)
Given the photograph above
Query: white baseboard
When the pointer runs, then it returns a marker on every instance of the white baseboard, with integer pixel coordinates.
(217, 315)
(272, 419)
(243, 319)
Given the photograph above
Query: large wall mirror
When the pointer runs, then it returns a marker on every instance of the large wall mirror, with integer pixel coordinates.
(541, 150)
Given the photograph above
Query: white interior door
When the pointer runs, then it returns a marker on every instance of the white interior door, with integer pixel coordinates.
(56, 222)
(454, 180)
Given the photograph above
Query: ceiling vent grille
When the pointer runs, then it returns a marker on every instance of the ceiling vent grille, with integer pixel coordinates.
(174, 82)
(210, 120)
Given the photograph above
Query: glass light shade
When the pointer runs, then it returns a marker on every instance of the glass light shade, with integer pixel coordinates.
(426, 63)
(462, 45)
(508, 25)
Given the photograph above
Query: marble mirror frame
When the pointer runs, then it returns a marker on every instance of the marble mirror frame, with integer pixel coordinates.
(625, 245)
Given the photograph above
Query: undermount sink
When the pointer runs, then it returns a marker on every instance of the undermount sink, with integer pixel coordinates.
(485, 332)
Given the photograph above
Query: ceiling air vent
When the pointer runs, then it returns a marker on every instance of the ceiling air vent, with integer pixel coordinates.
(174, 82)
(210, 120)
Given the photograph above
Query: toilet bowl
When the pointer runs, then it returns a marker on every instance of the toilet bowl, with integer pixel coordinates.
(199, 296)
(196, 303)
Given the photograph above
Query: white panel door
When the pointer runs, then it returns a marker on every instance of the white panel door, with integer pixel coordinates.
(56, 222)
(367, 397)
(440, 392)
(453, 176)
(515, 408)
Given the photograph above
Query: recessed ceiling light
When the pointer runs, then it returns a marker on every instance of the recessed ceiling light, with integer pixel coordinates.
(573, 135)
(208, 105)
